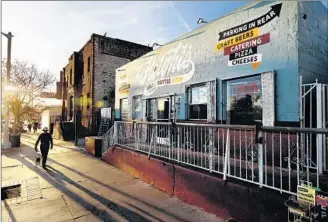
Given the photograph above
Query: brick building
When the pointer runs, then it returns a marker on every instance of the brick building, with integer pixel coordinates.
(89, 75)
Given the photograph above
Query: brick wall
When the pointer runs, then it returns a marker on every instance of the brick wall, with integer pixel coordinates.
(109, 55)
(87, 54)
(93, 72)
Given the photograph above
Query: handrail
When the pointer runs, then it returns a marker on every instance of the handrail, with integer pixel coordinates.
(243, 127)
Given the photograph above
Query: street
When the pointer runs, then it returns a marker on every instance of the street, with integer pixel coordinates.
(80, 187)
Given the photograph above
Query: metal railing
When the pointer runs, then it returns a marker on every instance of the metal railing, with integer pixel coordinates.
(108, 140)
(275, 157)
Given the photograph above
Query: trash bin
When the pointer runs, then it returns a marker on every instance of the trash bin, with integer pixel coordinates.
(15, 139)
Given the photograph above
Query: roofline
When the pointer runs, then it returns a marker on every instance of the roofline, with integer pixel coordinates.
(185, 35)
(239, 9)
(110, 38)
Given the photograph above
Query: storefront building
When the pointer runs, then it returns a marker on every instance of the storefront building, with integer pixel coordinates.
(242, 68)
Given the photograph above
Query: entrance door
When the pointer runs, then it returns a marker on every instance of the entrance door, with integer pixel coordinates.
(164, 108)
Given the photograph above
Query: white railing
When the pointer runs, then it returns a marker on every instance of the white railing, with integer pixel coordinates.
(108, 140)
(273, 157)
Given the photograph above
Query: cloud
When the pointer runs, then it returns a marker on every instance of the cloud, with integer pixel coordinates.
(47, 33)
(184, 22)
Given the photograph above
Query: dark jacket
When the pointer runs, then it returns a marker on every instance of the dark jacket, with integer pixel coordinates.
(45, 139)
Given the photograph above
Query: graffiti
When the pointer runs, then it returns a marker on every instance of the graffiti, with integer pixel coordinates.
(172, 67)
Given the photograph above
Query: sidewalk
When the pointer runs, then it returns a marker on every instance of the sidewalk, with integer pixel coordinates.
(80, 187)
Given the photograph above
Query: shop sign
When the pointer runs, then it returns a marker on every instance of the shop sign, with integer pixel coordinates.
(236, 39)
(240, 42)
(252, 43)
(150, 88)
(124, 88)
(246, 60)
(258, 22)
(306, 194)
(170, 68)
(243, 53)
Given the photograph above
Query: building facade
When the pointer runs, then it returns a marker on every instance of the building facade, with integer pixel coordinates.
(89, 76)
(242, 68)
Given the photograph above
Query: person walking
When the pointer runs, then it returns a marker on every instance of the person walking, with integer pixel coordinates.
(45, 139)
(35, 126)
(29, 126)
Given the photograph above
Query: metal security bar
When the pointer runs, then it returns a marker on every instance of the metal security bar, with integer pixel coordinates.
(273, 157)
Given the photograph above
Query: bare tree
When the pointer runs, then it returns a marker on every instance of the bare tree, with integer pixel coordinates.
(31, 82)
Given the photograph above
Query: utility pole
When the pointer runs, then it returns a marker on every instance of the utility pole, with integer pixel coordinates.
(6, 143)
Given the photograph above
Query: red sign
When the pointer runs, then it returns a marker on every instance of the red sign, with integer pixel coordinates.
(322, 200)
(246, 88)
(260, 40)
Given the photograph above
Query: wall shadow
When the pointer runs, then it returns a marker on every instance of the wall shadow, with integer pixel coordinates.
(118, 191)
(55, 177)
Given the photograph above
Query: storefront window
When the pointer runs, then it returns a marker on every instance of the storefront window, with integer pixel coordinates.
(124, 109)
(163, 108)
(198, 102)
(151, 110)
(137, 106)
(244, 102)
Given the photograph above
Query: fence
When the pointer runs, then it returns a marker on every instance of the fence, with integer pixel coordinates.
(86, 124)
(314, 112)
(273, 157)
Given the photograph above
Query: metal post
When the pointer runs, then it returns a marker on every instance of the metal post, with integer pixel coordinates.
(260, 153)
(6, 143)
(75, 125)
(319, 125)
(226, 156)
(210, 146)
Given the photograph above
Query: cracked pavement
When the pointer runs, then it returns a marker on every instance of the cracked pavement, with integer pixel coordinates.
(79, 187)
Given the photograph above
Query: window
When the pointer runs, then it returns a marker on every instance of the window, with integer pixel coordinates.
(88, 100)
(163, 108)
(137, 107)
(124, 108)
(89, 64)
(244, 102)
(198, 97)
(70, 77)
(81, 102)
(82, 65)
(151, 109)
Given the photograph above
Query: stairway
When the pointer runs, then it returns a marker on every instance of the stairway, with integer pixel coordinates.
(104, 126)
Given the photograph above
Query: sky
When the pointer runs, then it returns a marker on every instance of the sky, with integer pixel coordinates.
(46, 33)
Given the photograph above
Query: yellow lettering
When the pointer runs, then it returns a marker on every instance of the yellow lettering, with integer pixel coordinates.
(235, 39)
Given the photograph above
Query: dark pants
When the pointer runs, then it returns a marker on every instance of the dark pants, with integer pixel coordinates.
(44, 153)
